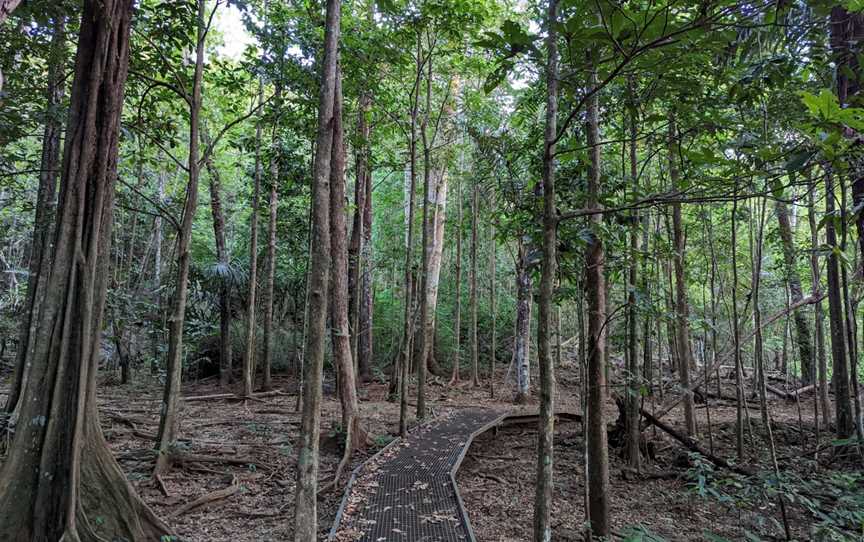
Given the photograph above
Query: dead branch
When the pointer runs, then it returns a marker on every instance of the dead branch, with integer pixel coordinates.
(208, 498)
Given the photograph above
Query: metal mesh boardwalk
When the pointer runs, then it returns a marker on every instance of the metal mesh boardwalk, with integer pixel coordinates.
(407, 492)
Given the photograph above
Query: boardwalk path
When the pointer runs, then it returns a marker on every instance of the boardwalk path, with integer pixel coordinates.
(408, 492)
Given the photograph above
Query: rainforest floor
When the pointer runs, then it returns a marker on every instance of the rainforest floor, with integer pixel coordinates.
(253, 444)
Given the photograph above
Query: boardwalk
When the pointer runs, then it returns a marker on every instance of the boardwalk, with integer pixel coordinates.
(407, 492)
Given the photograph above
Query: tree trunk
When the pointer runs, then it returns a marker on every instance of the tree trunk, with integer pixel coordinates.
(306, 500)
(422, 340)
(802, 328)
(364, 346)
(682, 327)
(400, 370)
(357, 245)
(171, 395)
(736, 338)
(457, 318)
(340, 334)
(492, 345)
(475, 346)
(226, 353)
(522, 337)
(595, 259)
(59, 473)
(40, 247)
(842, 400)
(251, 340)
(546, 429)
(821, 361)
(633, 398)
(270, 272)
(156, 334)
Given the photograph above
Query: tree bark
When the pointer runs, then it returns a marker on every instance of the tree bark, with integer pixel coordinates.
(595, 260)
(270, 272)
(522, 337)
(357, 245)
(251, 339)
(171, 395)
(40, 247)
(633, 398)
(340, 334)
(842, 400)
(59, 473)
(226, 354)
(306, 501)
(819, 316)
(475, 346)
(546, 429)
(802, 328)
(457, 318)
(682, 325)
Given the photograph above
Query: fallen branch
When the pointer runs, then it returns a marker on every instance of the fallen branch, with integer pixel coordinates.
(232, 396)
(230, 460)
(691, 444)
(209, 498)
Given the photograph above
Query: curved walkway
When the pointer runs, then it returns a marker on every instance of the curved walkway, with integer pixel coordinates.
(407, 492)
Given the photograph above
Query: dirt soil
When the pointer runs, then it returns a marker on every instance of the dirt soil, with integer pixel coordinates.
(254, 445)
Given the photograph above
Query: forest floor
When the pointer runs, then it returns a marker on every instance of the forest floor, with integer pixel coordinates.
(253, 445)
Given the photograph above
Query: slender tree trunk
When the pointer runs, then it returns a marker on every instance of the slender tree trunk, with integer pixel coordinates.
(364, 346)
(251, 339)
(802, 328)
(633, 398)
(156, 334)
(226, 353)
(736, 338)
(842, 400)
(457, 319)
(270, 273)
(306, 500)
(492, 346)
(682, 327)
(59, 473)
(522, 337)
(595, 259)
(546, 429)
(41, 248)
(475, 345)
(821, 361)
(357, 244)
(171, 396)
(340, 334)
(422, 341)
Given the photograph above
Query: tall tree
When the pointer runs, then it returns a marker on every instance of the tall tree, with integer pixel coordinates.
(171, 396)
(546, 433)
(522, 335)
(595, 284)
(270, 272)
(226, 353)
(682, 311)
(59, 472)
(40, 247)
(340, 335)
(793, 281)
(306, 501)
(251, 339)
